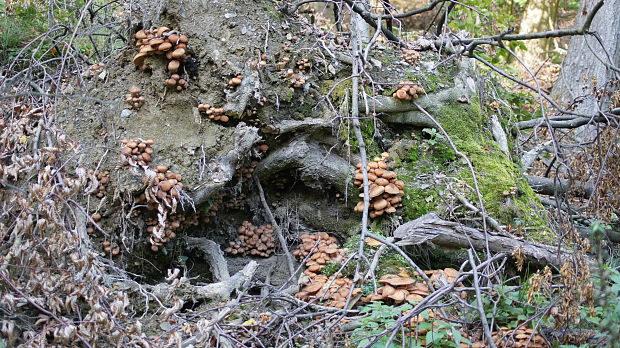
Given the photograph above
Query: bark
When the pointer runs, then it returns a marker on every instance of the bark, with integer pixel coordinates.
(432, 229)
(581, 69)
(539, 15)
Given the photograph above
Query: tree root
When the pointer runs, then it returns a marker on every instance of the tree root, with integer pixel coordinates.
(213, 255)
(222, 168)
(317, 166)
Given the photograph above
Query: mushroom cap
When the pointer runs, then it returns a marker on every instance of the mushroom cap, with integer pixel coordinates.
(395, 280)
(390, 210)
(376, 191)
(387, 290)
(178, 53)
(161, 30)
(380, 204)
(392, 189)
(173, 66)
(382, 182)
(138, 59)
(399, 295)
(134, 90)
(165, 46)
(141, 34)
(414, 298)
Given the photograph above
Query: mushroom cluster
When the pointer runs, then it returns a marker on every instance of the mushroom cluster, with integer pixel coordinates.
(175, 81)
(104, 179)
(408, 91)
(303, 64)
(522, 337)
(411, 57)
(161, 41)
(399, 289)
(173, 224)
(110, 248)
(235, 202)
(324, 249)
(259, 64)
(213, 113)
(281, 64)
(94, 70)
(295, 80)
(134, 98)
(235, 81)
(385, 190)
(253, 240)
(245, 173)
(137, 152)
(319, 290)
(211, 211)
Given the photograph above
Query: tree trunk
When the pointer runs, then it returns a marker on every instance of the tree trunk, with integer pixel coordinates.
(582, 72)
(540, 15)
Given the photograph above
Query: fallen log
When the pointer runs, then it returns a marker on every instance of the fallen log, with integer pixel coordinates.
(430, 228)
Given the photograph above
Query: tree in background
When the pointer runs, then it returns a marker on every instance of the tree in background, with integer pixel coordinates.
(539, 15)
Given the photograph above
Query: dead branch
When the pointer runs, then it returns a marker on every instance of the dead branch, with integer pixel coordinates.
(554, 186)
(213, 255)
(430, 228)
(274, 223)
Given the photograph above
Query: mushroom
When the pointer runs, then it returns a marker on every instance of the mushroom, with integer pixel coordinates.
(173, 66)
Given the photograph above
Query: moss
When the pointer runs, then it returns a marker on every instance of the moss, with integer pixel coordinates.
(417, 202)
(495, 173)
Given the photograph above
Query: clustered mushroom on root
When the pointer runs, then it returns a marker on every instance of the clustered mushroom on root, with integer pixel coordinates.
(235, 81)
(295, 80)
(408, 91)
(213, 113)
(411, 57)
(253, 240)
(162, 41)
(134, 98)
(303, 64)
(327, 250)
(398, 289)
(175, 81)
(104, 179)
(165, 187)
(319, 290)
(137, 152)
(385, 190)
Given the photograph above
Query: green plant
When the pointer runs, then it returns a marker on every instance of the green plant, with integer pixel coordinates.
(379, 317)
(434, 136)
